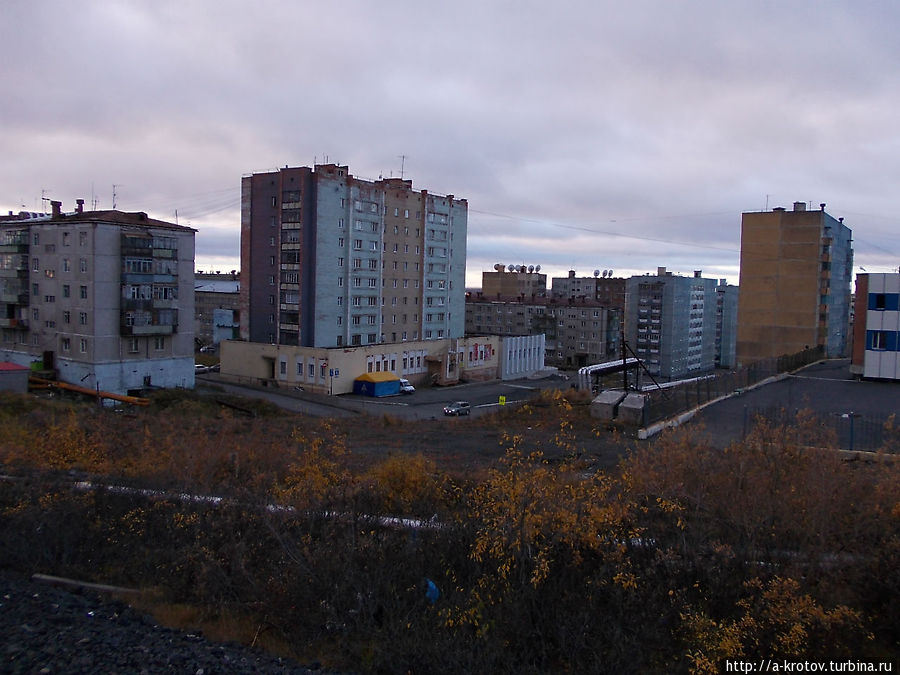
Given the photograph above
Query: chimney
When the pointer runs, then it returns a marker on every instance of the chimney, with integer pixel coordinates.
(571, 274)
(822, 206)
(57, 207)
(697, 273)
(660, 271)
(799, 206)
(79, 206)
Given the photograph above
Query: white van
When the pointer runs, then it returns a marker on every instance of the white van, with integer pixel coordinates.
(406, 387)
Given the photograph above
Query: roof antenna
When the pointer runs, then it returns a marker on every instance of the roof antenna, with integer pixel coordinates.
(402, 164)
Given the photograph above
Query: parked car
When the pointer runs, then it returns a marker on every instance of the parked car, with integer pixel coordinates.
(457, 408)
(200, 369)
(406, 387)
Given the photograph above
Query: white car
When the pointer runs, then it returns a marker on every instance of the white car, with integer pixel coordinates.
(406, 387)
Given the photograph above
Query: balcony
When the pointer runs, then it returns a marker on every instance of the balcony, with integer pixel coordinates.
(150, 329)
(14, 297)
(20, 324)
(15, 247)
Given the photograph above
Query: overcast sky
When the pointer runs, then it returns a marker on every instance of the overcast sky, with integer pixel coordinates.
(584, 135)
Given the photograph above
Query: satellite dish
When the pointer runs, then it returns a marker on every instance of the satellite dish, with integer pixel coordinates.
(610, 274)
(497, 267)
(510, 267)
(530, 268)
(537, 268)
(597, 273)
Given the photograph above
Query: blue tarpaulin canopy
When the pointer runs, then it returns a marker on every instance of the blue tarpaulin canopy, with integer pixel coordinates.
(377, 384)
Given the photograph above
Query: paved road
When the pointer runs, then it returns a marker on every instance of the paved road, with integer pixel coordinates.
(827, 388)
(425, 403)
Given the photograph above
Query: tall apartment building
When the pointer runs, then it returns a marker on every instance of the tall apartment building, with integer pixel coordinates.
(796, 269)
(726, 324)
(105, 298)
(876, 328)
(670, 323)
(331, 260)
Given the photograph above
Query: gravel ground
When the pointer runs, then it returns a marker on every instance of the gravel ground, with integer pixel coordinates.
(49, 630)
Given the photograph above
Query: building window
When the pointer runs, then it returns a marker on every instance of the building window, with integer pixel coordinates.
(159, 343)
(66, 265)
(82, 290)
(82, 264)
(82, 318)
(82, 346)
(66, 344)
(879, 339)
(82, 238)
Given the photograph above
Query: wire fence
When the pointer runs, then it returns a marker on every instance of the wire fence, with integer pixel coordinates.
(852, 431)
(669, 401)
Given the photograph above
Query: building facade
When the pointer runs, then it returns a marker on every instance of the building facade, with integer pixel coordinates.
(575, 332)
(670, 323)
(606, 290)
(796, 269)
(514, 281)
(331, 260)
(104, 298)
(876, 328)
(333, 370)
(217, 303)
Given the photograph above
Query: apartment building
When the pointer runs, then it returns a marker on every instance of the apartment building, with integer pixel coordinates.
(796, 269)
(217, 307)
(514, 281)
(670, 323)
(104, 298)
(876, 329)
(575, 333)
(602, 288)
(332, 260)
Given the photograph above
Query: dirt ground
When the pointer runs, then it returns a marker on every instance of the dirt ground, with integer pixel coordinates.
(467, 446)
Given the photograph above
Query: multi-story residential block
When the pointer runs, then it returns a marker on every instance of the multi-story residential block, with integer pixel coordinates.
(795, 283)
(607, 290)
(105, 298)
(514, 281)
(876, 329)
(726, 324)
(576, 332)
(670, 323)
(331, 260)
(217, 305)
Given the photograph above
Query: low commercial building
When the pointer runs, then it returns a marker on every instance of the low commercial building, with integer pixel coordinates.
(329, 370)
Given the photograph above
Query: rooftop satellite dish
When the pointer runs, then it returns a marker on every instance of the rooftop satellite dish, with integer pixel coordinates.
(510, 267)
(537, 268)
(610, 274)
(497, 267)
(597, 273)
(530, 268)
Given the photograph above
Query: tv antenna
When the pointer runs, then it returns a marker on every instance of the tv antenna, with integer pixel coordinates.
(115, 185)
(402, 164)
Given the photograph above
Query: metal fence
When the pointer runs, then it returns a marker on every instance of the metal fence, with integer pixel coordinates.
(669, 401)
(852, 431)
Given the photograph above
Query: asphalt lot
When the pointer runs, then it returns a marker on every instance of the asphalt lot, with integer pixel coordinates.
(425, 403)
(827, 388)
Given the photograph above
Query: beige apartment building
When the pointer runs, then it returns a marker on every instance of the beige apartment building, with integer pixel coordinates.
(795, 278)
(104, 298)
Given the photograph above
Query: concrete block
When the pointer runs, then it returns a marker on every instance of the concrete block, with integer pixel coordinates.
(605, 405)
(631, 410)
